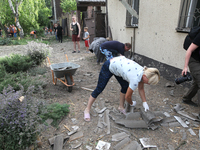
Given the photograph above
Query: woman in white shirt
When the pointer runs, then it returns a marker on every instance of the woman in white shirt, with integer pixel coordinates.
(130, 75)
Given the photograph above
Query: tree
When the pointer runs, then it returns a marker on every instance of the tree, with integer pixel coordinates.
(16, 14)
(68, 5)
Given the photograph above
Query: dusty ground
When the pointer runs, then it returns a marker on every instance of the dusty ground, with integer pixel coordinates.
(159, 98)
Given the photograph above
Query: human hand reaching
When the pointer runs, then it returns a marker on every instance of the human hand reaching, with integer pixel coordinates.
(146, 107)
(134, 103)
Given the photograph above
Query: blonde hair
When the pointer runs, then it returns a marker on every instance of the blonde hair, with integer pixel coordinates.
(152, 74)
(86, 28)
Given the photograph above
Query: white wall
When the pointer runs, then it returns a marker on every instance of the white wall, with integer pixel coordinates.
(155, 36)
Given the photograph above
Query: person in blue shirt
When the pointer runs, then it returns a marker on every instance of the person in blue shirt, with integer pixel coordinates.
(112, 48)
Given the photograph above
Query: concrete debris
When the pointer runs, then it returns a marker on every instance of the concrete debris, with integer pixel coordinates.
(74, 121)
(71, 132)
(52, 140)
(88, 147)
(150, 117)
(187, 116)
(100, 111)
(75, 127)
(167, 114)
(191, 132)
(76, 145)
(121, 144)
(184, 134)
(103, 145)
(107, 121)
(133, 146)
(58, 143)
(76, 136)
(181, 121)
(147, 142)
(122, 130)
(132, 123)
(170, 147)
(119, 136)
(178, 107)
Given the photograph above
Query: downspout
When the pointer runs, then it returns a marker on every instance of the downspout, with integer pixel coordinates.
(55, 16)
(106, 18)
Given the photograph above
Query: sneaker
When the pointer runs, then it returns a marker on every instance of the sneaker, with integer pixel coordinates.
(78, 51)
(189, 102)
(74, 52)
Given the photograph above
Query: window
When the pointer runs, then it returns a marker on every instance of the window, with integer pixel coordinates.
(189, 15)
(132, 21)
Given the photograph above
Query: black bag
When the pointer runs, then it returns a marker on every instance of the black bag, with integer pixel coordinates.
(190, 37)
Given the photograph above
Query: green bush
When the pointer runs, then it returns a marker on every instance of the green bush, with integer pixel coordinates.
(16, 63)
(56, 112)
(5, 41)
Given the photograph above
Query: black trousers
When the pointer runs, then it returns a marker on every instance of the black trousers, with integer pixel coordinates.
(60, 37)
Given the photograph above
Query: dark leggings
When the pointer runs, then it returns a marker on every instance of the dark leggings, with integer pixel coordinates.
(104, 77)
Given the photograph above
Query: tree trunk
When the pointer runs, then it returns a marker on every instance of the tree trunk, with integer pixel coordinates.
(15, 12)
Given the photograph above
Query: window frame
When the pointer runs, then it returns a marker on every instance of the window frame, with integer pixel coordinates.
(131, 21)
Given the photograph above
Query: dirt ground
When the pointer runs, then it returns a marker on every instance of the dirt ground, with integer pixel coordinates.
(159, 98)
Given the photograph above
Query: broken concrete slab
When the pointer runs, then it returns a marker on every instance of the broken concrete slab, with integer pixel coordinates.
(115, 116)
(107, 121)
(147, 143)
(119, 136)
(132, 123)
(191, 132)
(132, 146)
(100, 111)
(58, 143)
(52, 140)
(133, 116)
(149, 117)
(71, 132)
(103, 145)
(181, 121)
(183, 113)
(74, 146)
(88, 147)
(121, 144)
(76, 136)
(178, 107)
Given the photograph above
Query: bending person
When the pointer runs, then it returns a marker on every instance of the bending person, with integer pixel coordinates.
(130, 75)
(113, 48)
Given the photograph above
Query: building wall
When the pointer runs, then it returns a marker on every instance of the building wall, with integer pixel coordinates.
(155, 37)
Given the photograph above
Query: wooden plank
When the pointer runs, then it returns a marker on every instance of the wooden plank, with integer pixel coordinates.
(58, 145)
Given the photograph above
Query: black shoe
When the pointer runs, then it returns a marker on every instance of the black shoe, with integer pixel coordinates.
(74, 52)
(189, 102)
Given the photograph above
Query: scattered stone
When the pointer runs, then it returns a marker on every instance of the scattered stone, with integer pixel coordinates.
(74, 121)
(133, 146)
(58, 144)
(191, 132)
(119, 136)
(103, 145)
(88, 147)
(121, 144)
(169, 84)
(166, 114)
(107, 121)
(76, 145)
(147, 142)
(76, 136)
(72, 132)
(181, 121)
(171, 92)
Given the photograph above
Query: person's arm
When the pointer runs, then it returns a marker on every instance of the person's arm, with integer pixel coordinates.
(79, 29)
(141, 91)
(71, 27)
(128, 95)
(188, 54)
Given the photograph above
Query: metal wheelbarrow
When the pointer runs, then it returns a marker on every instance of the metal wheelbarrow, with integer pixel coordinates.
(64, 70)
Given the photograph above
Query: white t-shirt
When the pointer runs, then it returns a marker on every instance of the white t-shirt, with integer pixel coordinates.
(86, 35)
(127, 69)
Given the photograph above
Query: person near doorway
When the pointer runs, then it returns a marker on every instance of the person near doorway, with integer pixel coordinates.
(55, 28)
(59, 32)
(86, 38)
(113, 48)
(76, 30)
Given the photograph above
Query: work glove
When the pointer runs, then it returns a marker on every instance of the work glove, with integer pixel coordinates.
(146, 107)
(134, 103)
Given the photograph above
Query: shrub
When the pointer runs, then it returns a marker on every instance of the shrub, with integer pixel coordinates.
(5, 41)
(16, 63)
(20, 78)
(56, 112)
(37, 51)
(19, 120)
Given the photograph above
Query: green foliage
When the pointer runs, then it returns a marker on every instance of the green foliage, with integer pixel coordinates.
(5, 41)
(68, 5)
(16, 63)
(56, 112)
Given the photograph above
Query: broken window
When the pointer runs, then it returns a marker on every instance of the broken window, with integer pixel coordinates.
(132, 21)
(189, 15)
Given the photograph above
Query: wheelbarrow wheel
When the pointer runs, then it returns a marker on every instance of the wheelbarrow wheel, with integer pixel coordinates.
(69, 82)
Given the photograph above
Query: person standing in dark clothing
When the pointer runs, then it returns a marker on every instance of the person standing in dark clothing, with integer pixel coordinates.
(59, 32)
(113, 48)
